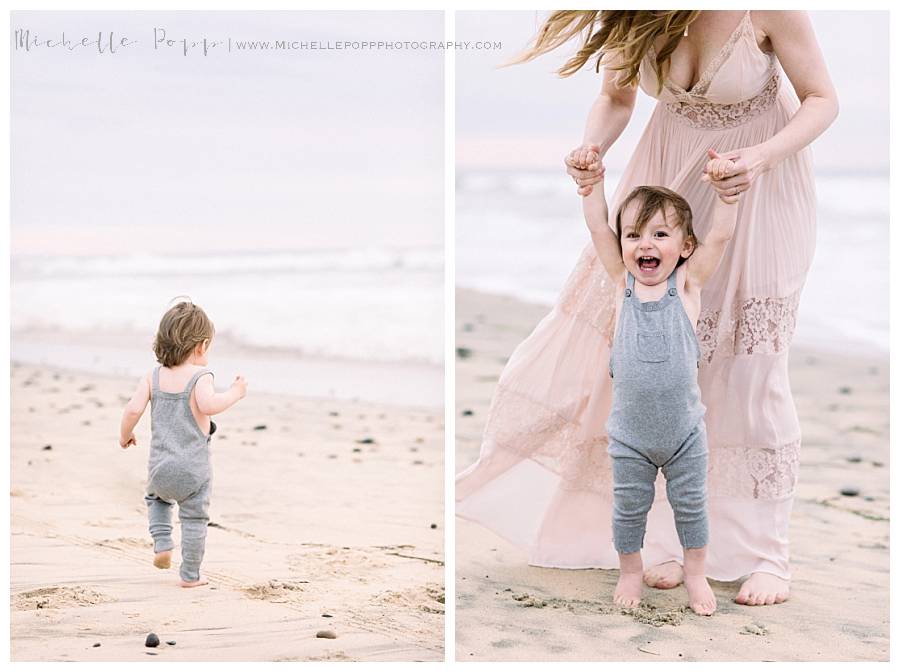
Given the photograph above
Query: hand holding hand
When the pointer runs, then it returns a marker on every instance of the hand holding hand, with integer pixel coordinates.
(585, 165)
(730, 181)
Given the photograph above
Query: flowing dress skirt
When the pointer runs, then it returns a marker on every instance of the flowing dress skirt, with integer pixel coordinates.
(543, 478)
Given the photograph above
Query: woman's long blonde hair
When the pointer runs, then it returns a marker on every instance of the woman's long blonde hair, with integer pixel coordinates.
(628, 35)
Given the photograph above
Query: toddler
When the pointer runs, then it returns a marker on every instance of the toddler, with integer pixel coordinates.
(182, 398)
(656, 419)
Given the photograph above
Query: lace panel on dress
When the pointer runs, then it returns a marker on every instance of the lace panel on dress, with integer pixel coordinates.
(532, 429)
(757, 326)
(699, 114)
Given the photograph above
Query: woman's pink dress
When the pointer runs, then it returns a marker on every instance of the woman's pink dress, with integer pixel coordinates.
(543, 478)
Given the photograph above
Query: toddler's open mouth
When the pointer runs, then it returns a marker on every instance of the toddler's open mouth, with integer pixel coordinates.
(648, 263)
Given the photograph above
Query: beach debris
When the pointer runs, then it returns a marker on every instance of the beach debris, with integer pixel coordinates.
(152, 640)
(171, 642)
(849, 491)
(844, 390)
(326, 634)
(463, 353)
(259, 428)
(755, 628)
(434, 526)
(644, 649)
(527, 600)
(468, 411)
(366, 440)
(47, 447)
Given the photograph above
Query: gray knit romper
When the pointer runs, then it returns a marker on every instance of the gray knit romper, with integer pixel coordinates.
(656, 420)
(179, 471)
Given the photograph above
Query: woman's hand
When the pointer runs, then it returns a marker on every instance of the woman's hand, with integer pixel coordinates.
(585, 165)
(749, 163)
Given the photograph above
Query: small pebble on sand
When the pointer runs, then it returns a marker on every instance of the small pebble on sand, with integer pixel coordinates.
(854, 459)
(259, 428)
(327, 616)
(468, 412)
(171, 642)
(844, 390)
(96, 644)
(152, 640)
(368, 439)
(849, 491)
(434, 526)
(47, 447)
(326, 634)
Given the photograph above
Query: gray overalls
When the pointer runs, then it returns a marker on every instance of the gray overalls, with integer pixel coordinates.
(179, 471)
(656, 420)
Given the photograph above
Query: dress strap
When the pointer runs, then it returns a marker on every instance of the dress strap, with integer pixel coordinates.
(154, 386)
(673, 291)
(629, 284)
(193, 381)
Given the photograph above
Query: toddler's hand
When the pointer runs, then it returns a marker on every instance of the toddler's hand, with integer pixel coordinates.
(240, 384)
(130, 441)
(585, 157)
(716, 169)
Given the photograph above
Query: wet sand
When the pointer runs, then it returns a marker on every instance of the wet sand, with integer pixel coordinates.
(325, 516)
(839, 604)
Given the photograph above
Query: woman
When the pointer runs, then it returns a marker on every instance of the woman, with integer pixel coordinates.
(543, 477)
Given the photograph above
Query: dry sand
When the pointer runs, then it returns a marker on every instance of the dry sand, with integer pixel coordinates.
(839, 605)
(321, 519)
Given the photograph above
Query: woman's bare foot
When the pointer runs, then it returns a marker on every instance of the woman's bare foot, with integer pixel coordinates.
(163, 559)
(202, 581)
(628, 589)
(700, 595)
(763, 588)
(666, 575)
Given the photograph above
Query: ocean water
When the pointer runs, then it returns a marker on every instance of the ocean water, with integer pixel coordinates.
(519, 234)
(375, 305)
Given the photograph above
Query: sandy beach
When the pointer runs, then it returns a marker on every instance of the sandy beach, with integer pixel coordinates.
(839, 604)
(325, 516)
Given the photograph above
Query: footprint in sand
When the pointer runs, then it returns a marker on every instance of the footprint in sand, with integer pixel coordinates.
(274, 590)
(58, 597)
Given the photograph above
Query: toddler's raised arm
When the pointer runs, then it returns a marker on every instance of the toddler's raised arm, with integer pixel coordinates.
(211, 402)
(596, 216)
(705, 260)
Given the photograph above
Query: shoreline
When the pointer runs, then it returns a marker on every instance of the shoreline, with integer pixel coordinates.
(269, 370)
(509, 610)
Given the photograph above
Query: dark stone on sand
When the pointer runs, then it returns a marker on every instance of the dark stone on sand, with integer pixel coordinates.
(434, 526)
(854, 459)
(213, 524)
(327, 616)
(259, 428)
(468, 412)
(47, 447)
(152, 640)
(96, 644)
(357, 450)
(844, 390)
(463, 353)
(877, 464)
(171, 642)
(849, 491)
(366, 440)
(869, 498)
(326, 634)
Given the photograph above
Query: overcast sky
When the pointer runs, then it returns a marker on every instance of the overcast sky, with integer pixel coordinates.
(526, 116)
(149, 150)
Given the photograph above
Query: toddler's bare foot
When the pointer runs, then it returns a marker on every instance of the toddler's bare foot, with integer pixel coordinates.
(700, 595)
(763, 588)
(628, 589)
(667, 575)
(163, 559)
(202, 581)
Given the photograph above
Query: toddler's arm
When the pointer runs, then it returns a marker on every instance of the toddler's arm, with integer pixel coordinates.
(134, 409)
(704, 262)
(211, 402)
(596, 216)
